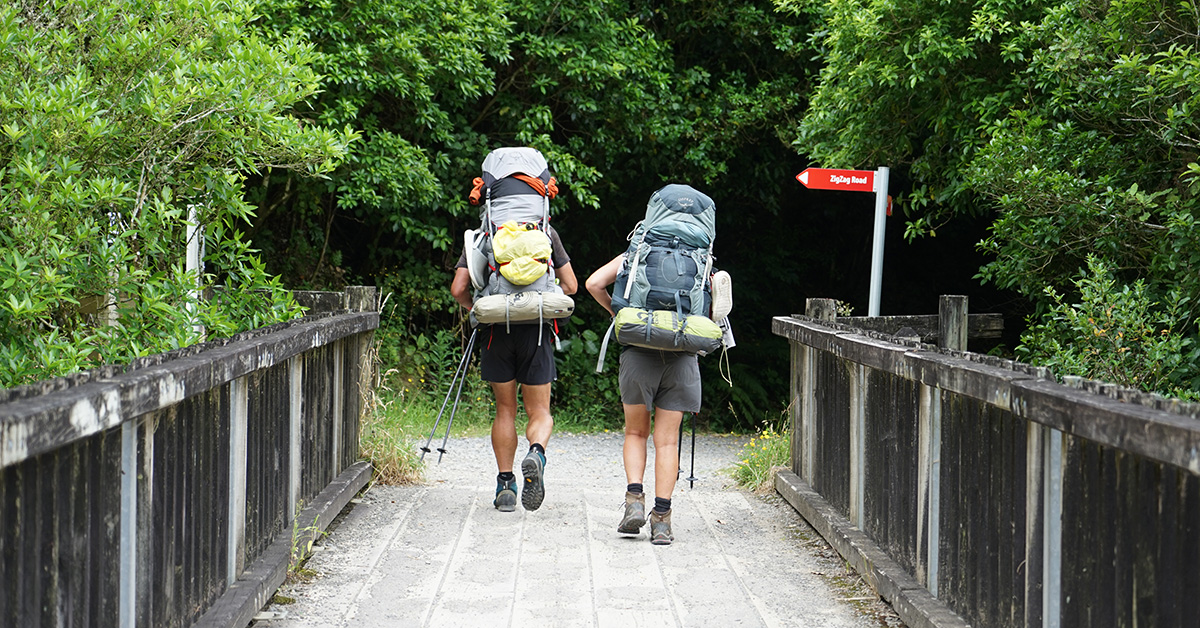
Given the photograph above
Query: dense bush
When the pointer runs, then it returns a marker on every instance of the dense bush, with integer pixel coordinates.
(1070, 124)
(1117, 334)
(118, 120)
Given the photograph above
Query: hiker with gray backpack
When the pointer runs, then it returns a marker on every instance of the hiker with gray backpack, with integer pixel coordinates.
(515, 278)
(668, 307)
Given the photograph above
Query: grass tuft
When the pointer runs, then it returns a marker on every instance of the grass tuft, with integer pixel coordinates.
(767, 452)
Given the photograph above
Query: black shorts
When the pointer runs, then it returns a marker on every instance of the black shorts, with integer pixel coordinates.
(516, 354)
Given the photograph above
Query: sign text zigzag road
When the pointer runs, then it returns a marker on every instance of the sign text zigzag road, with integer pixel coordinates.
(831, 179)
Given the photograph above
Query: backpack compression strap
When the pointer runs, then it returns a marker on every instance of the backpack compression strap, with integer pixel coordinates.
(543, 189)
(604, 345)
(551, 190)
(476, 192)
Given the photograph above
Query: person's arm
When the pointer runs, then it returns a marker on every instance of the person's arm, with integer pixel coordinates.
(566, 279)
(460, 288)
(563, 271)
(597, 284)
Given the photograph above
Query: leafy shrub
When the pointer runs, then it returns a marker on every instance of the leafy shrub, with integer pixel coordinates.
(583, 398)
(1117, 335)
(121, 120)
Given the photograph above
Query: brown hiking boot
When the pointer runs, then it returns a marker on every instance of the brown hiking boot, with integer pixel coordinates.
(635, 514)
(660, 528)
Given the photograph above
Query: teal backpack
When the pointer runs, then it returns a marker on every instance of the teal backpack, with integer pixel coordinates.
(663, 296)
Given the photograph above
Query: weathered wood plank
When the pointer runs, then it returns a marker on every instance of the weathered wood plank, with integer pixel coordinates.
(1127, 488)
(925, 326)
(1141, 429)
(240, 602)
(915, 605)
(40, 424)
(1137, 429)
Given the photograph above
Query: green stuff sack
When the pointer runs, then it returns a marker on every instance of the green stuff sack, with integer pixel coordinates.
(667, 330)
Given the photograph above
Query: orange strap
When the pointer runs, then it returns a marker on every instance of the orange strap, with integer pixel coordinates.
(476, 194)
(538, 186)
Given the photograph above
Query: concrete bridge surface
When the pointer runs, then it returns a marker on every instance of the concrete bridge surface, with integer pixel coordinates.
(439, 554)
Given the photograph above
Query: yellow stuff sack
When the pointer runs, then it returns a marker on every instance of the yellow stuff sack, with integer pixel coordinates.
(664, 329)
(522, 252)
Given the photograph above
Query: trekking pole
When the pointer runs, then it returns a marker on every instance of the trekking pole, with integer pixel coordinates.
(692, 478)
(461, 364)
(454, 409)
(679, 452)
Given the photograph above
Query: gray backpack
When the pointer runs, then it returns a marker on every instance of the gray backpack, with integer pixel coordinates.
(514, 191)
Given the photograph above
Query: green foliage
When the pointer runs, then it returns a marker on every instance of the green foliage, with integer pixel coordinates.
(620, 97)
(606, 89)
(769, 450)
(908, 84)
(1072, 119)
(117, 119)
(1102, 163)
(584, 399)
(404, 74)
(1116, 334)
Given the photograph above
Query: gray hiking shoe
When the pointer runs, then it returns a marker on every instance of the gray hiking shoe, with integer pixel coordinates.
(635, 514)
(506, 495)
(533, 467)
(660, 528)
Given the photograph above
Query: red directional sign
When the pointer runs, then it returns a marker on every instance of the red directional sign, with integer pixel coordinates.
(847, 180)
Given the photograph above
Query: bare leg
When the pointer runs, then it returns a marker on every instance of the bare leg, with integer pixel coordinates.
(537, 407)
(666, 451)
(637, 431)
(504, 427)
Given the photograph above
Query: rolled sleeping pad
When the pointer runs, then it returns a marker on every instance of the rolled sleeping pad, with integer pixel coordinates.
(523, 307)
(667, 330)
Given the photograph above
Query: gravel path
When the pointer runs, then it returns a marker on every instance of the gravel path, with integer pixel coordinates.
(439, 554)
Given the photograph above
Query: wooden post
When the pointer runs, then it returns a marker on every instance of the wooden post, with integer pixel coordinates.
(1035, 516)
(360, 299)
(799, 392)
(858, 444)
(929, 482)
(295, 423)
(238, 432)
(1052, 530)
(821, 309)
(339, 351)
(952, 322)
(806, 425)
(127, 603)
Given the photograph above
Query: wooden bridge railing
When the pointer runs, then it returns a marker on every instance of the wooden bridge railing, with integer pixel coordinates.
(971, 489)
(167, 493)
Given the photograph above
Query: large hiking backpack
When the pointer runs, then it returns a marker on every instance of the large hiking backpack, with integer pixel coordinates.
(670, 254)
(663, 295)
(509, 256)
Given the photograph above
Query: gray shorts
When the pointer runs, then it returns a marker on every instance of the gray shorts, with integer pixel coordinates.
(660, 379)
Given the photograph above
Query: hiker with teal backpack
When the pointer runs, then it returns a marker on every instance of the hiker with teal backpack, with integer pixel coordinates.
(515, 277)
(664, 316)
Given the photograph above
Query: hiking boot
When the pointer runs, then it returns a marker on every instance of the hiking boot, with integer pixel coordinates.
(532, 467)
(660, 528)
(506, 495)
(635, 514)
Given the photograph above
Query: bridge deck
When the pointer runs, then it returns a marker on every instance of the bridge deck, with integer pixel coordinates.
(440, 555)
